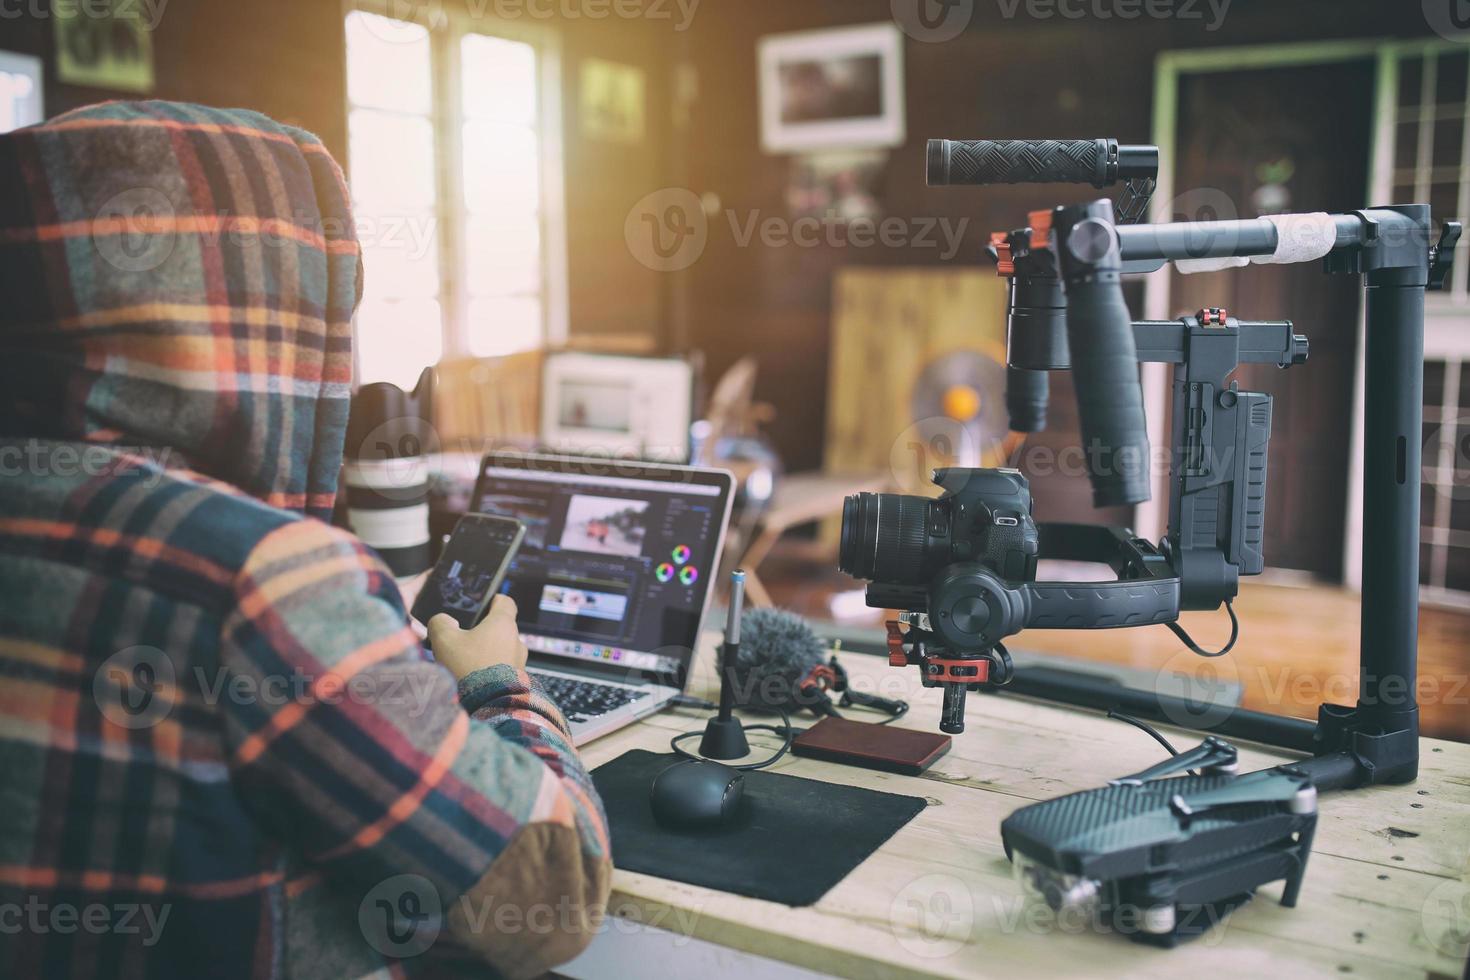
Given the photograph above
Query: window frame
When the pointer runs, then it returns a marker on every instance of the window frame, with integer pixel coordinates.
(447, 116)
(1446, 330)
(1446, 314)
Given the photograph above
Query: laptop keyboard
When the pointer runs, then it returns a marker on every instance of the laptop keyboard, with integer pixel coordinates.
(583, 700)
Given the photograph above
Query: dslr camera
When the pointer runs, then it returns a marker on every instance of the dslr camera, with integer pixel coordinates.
(962, 568)
(900, 543)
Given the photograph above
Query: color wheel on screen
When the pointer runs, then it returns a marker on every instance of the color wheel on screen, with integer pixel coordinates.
(682, 554)
(688, 575)
(664, 572)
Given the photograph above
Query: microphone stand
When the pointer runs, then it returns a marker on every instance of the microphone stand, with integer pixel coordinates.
(724, 736)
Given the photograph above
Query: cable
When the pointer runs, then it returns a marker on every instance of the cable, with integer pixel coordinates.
(1001, 659)
(891, 717)
(1145, 727)
(1149, 729)
(784, 730)
(1189, 642)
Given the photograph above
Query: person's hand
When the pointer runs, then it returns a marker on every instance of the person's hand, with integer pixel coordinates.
(496, 640)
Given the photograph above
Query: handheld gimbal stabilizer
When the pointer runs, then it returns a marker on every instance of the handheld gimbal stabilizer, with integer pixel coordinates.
(939, 560)
(1159, 848)
(963, 567)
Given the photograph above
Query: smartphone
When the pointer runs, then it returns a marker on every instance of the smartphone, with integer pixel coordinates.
(471, 569)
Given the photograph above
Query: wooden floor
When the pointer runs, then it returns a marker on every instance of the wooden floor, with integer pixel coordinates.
(1298, 645)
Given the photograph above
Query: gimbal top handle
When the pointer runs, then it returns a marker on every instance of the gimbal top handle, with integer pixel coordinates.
(1104, 355)
(1097, 162)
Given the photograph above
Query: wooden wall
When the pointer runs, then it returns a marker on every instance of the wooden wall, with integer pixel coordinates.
(1005, 75)
(282, 57)
(1016, 77)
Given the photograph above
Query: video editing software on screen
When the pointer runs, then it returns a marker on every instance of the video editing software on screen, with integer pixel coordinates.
(612, 569)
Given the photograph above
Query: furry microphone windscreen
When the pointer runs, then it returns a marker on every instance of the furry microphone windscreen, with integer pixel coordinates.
(777, 649)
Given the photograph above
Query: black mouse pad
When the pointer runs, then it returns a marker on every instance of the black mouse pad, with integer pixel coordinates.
(792, 840)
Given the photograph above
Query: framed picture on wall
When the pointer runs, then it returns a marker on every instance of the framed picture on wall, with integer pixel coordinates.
(104, 44)
(612, 101)
(829, 89)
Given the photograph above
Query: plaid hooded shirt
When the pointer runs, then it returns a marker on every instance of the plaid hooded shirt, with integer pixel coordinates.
(225, 753)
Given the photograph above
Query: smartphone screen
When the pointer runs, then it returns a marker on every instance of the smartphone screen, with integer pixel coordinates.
(471, 569)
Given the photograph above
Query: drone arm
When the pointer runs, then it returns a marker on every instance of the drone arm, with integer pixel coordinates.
(1212, 753)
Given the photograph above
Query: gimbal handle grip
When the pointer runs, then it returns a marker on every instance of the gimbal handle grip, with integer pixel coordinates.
(1098, 162)
(1101, 605)
(1104, 355)
(1027, 396)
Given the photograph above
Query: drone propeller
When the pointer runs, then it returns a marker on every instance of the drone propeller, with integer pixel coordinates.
(1213, 754)
(1268, 786)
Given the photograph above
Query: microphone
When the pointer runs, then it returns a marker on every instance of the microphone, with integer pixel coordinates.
(780, 664)
(724, 737)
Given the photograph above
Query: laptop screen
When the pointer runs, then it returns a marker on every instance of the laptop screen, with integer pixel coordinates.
(617, 563)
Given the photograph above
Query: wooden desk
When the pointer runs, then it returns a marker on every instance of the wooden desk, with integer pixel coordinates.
(1387, 891)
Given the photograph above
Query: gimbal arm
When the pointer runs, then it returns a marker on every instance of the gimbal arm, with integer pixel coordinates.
(1098, 162)
(1391, 248)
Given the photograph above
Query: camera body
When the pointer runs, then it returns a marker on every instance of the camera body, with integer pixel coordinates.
(900, 543)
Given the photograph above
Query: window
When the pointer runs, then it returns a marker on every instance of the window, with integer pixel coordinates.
(1430, 139)
(1421, 153)
(1444, 520)
(1431, 160)
(20, 91)
(454, 187)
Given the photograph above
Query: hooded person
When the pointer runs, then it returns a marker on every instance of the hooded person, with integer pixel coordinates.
(216, 725)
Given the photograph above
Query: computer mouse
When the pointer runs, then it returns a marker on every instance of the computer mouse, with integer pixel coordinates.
(692, 794)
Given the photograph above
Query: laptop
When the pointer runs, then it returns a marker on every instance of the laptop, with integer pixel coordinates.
(614, 576)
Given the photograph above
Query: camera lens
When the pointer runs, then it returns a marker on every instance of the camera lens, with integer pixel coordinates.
(883, 537)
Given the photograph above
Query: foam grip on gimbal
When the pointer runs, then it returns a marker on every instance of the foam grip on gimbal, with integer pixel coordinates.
(1027, 394)
(1017, 162)
(1109, 394)
(1101, 605)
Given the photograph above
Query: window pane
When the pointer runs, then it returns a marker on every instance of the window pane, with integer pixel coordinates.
(499, 79)
(20, 91)
(398, 339)
(1411, 76)
(501, 168)
(504, 325)
(1448, 137)
(400, 255)
(1457, 569)
(1406, 149)
(502, 255)
(1450, 78)
(388, 63)
(392, 162)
